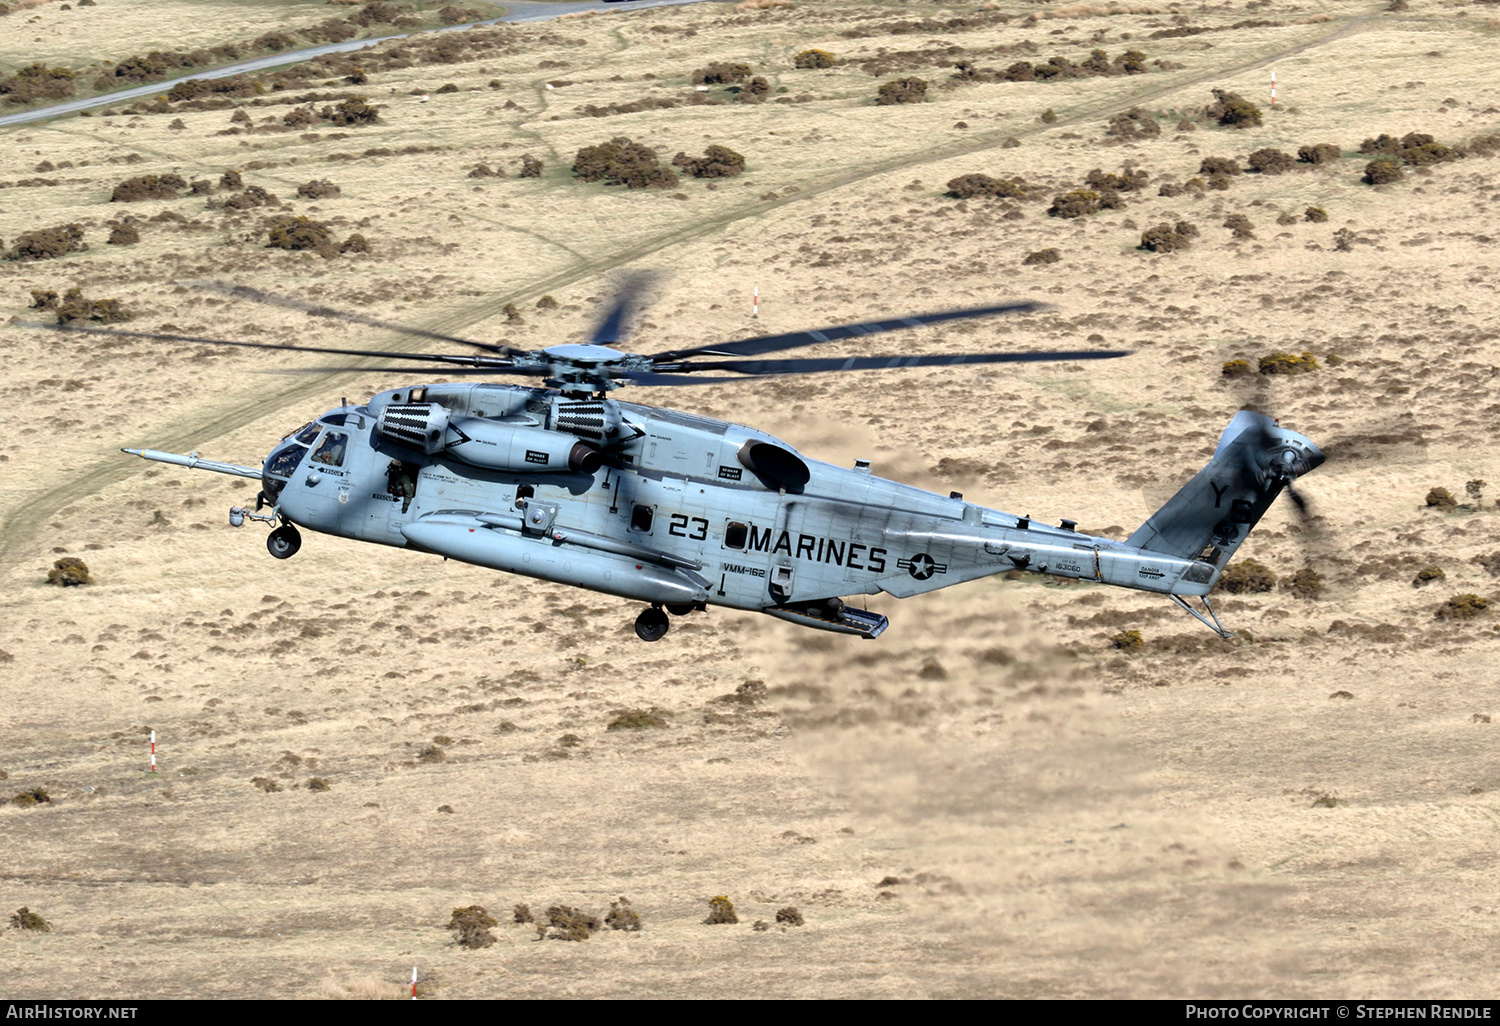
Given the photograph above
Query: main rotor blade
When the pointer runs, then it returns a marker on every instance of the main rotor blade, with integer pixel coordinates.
(845, 363)
(315, 310)
(525, 372)
(793, 340)
(467, 361)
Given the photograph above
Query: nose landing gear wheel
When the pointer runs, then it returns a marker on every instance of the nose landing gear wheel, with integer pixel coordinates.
(284, 542)
(651, 625)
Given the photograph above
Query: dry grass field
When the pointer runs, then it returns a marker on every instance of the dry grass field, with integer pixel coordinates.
(988, 801)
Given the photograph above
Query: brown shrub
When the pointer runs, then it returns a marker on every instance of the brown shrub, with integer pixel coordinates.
(972, 185)
(318, 188)
(569, 924)
(721, 73)
(1041, 257)
(73, 308)
(1317, 215)
(123, 235)
(817, 59)
(25, 919)
(1219, 166)
(1462, 607)
(522, 913)
(37, 82)
(1134, 123)
(1270, 161)
(231, 180)
(623, 162)
(789, 916)
(1288, 363)
(1319, 153)
(1382, 172)
(1233, 110)
(1441, 498)
(1306, 583)
(720, 912)
(1237, 369)
(251, 197)
(901, 90)
(1077, 203)
(471, 925)
(43, 299)
(531, 167)
(148, 187)
(1247, 577)
(355, 243)
(1240, 225)
(1166, 238)
(298, 233)
(354, 112)
(1427, 575)
(68, 572)
(622, 917)
(717, 162)
(48, 243)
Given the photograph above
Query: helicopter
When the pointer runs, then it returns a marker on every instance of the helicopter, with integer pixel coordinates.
(560, 481)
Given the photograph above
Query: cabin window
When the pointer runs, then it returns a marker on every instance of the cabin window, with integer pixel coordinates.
(330, 451)
(734, 535)
(640, 518)
(308, 432)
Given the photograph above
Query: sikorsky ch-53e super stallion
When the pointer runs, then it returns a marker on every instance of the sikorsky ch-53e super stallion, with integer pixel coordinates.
(561, 481)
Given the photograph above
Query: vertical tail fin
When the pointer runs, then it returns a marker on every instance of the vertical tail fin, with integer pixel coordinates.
(1214, 512)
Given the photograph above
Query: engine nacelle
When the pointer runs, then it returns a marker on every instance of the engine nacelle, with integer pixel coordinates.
(421, 426)
(480, 442)
(518, 448)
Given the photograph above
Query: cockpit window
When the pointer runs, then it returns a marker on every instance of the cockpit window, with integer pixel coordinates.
(284, 461)
(330, 451)
(308, 433)
(334, 420)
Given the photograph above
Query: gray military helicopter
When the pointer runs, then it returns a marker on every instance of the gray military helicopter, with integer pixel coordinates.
(561, 481)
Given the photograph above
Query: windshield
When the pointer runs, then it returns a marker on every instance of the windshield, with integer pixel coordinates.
(307, 432)
(284, 461)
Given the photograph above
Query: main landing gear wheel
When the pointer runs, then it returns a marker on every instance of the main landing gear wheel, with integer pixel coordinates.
(284, 542)
(651, 625)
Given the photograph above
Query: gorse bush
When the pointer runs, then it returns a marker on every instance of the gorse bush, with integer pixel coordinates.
(1077, 203)
(716, 162)
(977, 185)
(73, 308)
(318, 189)
(1233, 110)
(623, 162)
(1167, 238)
(1247, 577)
(814, 59)
(48, 243)
(148, 187)
(722, 73)
(1269, 161)
(1319, 153)
(299, 233)
(1382, 172)
(1288, 363)
(1135, 123)
(902, 90)
(35, 83)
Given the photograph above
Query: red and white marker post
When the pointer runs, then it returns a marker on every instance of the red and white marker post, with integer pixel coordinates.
(153, 751)
(1273, 87)
(755, 303)
(413, 983)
